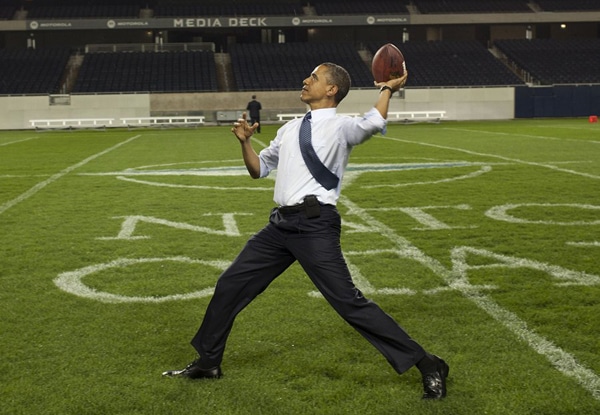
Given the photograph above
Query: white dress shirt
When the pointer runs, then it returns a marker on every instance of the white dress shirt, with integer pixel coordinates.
(333, 138)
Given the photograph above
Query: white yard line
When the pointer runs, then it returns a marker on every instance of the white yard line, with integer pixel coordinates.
(560, 359)
(513, 160)
(18, 141)
(457, 279)
(5, 206)
(542, 137)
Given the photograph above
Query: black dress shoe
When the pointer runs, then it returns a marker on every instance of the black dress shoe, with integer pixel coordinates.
(434, 383)
(194, 371)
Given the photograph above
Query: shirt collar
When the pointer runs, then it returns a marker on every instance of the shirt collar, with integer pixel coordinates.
(323, 114)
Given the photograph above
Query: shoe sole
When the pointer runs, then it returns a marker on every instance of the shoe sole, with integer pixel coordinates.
(212, 374)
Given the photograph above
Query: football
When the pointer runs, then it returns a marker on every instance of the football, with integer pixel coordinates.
(388, 63)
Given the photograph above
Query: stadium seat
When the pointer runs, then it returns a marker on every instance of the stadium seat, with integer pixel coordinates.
(579, 59)
(284, 66)
(340, 7)
(189, 71)
(472, 6)
(264, 8)
(570, 5)
(7, 12)
(32, 71)
(83, 11)
(452, 63)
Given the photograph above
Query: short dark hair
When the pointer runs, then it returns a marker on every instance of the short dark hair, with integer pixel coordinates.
(339, 77)
(253, 96)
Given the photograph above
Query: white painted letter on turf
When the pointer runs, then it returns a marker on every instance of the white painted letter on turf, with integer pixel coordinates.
(501, 213)
(72, 283)
(566, 276)
(130, 222)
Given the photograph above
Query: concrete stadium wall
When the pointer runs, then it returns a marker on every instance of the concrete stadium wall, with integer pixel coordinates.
(15, 112)
(207, 104)
(459, 104)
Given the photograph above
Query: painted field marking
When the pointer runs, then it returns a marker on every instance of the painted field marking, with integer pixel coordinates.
(482, 170)
(501, 213)
(456, 278)
(593, 243)
(130, 222)
(541, 137)
(20, 176)
(163, 170)
(71, 281)
(510, 159)
(353, 171)
(24, 196)
(420, 215)
(191, 186)
(18, 141)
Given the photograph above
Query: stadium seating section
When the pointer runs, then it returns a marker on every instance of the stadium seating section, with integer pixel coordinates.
(472, 6)
(251, 9)
(7, 12)
(285, 66)
(452, 63)
(32, 71)
(147, 72)
(83, 12)
(337, 7)
(562, 5)
(556, 61)
(73, 9)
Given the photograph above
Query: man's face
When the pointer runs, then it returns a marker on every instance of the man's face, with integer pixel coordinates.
(315, 88)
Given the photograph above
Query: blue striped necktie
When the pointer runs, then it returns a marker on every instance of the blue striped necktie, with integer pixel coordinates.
(321, 173)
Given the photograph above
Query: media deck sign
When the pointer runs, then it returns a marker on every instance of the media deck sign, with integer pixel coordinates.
(217, 22)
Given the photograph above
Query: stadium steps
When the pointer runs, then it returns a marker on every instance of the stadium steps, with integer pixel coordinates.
(498, 54)
(366, 56)
(20, 14)
(225, 78)
(70, 75)
(535, 7)
(309, 10)
(146, 13)
(412, 9)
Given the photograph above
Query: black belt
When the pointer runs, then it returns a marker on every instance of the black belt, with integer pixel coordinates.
(310, 206)
(286, 210)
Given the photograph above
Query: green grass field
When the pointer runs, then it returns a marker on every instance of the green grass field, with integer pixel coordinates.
(481, 239)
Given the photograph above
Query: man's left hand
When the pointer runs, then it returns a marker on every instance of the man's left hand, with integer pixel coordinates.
(395, 84)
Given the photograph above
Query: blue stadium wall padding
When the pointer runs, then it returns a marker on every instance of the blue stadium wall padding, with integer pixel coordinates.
(523, 102)
(557, 101)
(595, 100)
(563, 100)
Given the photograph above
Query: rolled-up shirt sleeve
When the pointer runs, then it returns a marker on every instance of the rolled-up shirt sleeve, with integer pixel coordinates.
(269, 156)
(267, 159)
(371, 123)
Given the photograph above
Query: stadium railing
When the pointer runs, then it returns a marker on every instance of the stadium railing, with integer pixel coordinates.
(68, 123)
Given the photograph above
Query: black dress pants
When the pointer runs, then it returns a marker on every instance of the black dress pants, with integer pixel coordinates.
(315, 244)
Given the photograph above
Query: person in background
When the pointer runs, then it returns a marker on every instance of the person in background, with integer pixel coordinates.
(310, 155)
(254, 107)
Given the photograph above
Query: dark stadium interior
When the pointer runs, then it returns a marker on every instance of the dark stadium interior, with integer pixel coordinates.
(276, 59)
